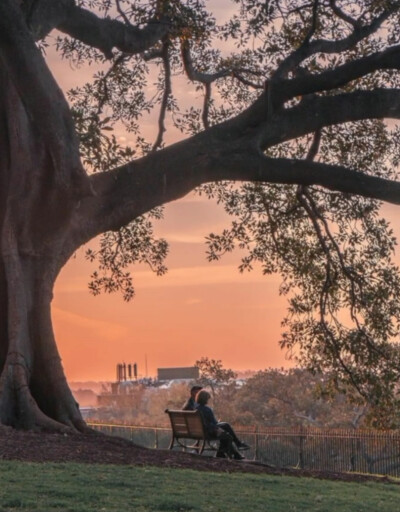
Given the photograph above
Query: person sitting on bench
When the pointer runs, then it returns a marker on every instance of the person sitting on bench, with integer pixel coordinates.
(229, 443)
(190, 404)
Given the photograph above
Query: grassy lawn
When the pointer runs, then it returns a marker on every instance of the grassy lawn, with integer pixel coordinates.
(87, 488)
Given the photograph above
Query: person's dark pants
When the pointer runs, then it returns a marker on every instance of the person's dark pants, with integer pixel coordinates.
(226, 446)
(227, 428)
(225, 443)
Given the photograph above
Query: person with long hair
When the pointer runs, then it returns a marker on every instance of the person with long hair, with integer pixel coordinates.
(229, 443)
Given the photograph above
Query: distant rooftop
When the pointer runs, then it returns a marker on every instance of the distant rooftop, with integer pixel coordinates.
(186, 372)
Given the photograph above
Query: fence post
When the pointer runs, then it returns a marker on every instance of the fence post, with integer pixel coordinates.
(353, 455)
(156, 439)
(301, 447)
(256, 443)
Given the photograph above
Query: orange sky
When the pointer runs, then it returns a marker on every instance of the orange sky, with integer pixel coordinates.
(197, 309)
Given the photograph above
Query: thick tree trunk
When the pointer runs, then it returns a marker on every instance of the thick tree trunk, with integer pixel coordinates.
(33, 389)
(34, 219)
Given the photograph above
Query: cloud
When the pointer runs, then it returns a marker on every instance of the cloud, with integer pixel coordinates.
(102, 329)
(185, 238)
(199, 276)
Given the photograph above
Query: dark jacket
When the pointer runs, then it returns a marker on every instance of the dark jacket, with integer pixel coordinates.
(210, 422)
(189, 405)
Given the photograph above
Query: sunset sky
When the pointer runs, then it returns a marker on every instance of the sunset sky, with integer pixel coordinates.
(197, 309)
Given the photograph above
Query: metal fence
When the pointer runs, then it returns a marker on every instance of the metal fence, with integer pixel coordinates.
(339, 450)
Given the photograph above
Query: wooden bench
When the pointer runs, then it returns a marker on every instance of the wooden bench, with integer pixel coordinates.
(188, 426)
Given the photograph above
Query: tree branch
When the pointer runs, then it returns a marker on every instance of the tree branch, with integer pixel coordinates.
(166, 94)
(208, 78)
(313, 27)
(305, 51)
(338, 77)
(322, 232)
(122, 14)
(101, 33)
(342, 15)
(317, 112)
(206, 105)
(247, 82)
(171, 173)
(332, 177)
(195, 75)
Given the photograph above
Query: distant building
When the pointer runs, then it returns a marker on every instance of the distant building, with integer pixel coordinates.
(188, 372)
(127, 385)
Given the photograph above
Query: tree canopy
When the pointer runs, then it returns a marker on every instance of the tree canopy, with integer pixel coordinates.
(295, 135)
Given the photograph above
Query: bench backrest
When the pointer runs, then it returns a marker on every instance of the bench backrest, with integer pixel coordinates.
(186, 424)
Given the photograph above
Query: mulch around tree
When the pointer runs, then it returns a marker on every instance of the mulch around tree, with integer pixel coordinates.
(102, 449)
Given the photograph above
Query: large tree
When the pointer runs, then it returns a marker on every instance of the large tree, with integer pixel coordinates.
(295, 97)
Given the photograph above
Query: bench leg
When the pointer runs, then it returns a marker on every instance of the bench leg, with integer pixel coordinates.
(198, 447)
(201, 445)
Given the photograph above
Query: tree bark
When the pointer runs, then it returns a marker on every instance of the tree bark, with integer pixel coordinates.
(34, 214)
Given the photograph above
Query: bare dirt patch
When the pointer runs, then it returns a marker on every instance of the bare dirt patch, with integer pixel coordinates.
(101, 449)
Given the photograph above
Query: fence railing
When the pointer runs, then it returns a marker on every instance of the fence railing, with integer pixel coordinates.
(339, 450)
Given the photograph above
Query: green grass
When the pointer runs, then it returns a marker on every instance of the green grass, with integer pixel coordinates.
(87, 488)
